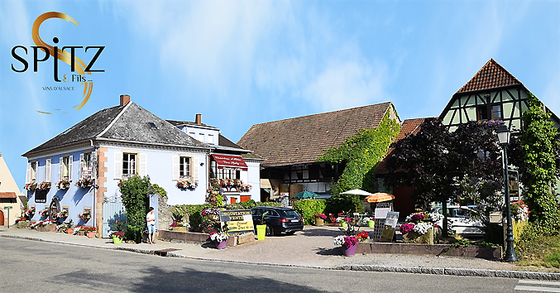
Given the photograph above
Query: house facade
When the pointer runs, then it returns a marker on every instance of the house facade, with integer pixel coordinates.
(86, 162)
(11, 198)
(292, 146)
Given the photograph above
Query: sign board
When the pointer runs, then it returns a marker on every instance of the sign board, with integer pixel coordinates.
(392, 219)
(387, 235)
(8, 207)
(381, 213)
(513, 184)
(238, 221)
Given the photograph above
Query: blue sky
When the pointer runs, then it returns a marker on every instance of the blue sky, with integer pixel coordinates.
(240, 63)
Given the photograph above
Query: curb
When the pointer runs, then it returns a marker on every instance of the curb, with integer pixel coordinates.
(366, 268)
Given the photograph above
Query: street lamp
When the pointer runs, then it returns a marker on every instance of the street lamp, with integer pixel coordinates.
(503, 136)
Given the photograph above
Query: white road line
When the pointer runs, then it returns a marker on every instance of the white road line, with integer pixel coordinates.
(548, 283)
(537, 289)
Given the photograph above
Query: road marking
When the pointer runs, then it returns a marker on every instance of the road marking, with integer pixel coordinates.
(537, 288)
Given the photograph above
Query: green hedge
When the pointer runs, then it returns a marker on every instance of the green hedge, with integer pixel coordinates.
(307, 208)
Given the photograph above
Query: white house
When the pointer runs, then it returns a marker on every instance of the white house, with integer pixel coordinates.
(112, 144)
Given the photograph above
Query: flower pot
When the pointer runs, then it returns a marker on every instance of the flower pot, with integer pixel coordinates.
(349, 251)
(50, 228)
(180, 229)
(70, 231)
(221, 245)
(261, 232)
(319, 222)
(90, 234)
(343, 224)
(117, 240)
(371, 223)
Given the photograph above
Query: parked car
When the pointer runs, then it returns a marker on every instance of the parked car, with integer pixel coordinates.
(460, 220)
(278, 220)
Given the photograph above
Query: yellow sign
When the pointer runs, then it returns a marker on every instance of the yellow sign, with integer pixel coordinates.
(238, 221)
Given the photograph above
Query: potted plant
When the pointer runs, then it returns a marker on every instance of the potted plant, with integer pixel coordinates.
(45, 185)
(261, 227)
(88, 231)
(320, 219)
(180, 227)
(85, 183)
(63, 214)
(117, 236)
(66, 227)
(186, 184)
(44, 213)
(348, 243)
(30, 186)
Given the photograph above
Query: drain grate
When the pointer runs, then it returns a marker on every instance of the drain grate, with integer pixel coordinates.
(163, 252)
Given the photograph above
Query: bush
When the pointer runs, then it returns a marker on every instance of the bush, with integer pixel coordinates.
(307, 208)
(134, 196)
(342, 203)
(538, 248)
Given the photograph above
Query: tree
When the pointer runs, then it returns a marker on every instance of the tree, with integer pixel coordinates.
(134, 194)
(433, 159)
(539, 143)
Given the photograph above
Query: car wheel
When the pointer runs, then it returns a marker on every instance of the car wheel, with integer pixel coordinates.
(269, 231)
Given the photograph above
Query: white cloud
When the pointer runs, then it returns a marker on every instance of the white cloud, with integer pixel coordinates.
(344, 84)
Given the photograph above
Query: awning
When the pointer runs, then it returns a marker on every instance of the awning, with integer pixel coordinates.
(8, 195)
(265, 183)
(230, 162)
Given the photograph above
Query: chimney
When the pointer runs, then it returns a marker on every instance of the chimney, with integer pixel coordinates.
(125, 99)
(198, 119)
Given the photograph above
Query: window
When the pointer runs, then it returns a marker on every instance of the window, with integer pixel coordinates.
(48, 169)
(65, 164)
(481, 113)
(211, 139)
(86, 165)
(129, 164)
(223, 173)
(32, 171)
(497, 112)
(184, 167)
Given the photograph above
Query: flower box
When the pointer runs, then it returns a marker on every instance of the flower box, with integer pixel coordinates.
(180, 229)
(319, 222)
(90, 234)
(70, 231)
(413, 237)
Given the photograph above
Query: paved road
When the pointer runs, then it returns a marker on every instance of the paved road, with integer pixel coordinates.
(31, 266)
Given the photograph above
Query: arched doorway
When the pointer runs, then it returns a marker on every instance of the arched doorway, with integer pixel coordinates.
(54, 208)
(1, 218)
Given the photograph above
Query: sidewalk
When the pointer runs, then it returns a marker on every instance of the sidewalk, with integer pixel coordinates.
(312, 248)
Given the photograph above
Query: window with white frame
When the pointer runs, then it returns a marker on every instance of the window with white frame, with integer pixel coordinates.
(65, 164)
(129, 164)
(86, 165)
(48, 170)
(32, 171)
(184, 167)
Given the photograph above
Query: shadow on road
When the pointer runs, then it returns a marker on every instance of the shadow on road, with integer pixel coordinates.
(321, 232)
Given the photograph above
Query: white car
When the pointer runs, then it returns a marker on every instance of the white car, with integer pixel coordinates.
(460, 220)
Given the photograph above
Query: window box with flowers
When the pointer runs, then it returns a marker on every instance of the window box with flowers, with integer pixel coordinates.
(30, 186)
(62, 214)
(44, 213)
(29, 212)
(421, 228)
(45, 185)
(85, 216)
(245, 187)
(186, 184)
(88, 231)
(85, 183)
(63, 184)
(179, 227)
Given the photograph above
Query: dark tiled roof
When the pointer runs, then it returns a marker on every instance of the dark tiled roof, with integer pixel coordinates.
(304, 139)
(491, 75)
(409, 126)
(129, 123)
(7, 194)
(224, 141)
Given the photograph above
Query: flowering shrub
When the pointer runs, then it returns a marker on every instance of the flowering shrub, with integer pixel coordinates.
(218, 236)
(29, 212)
(520, 211)
(30, 186)
(187, 184)
(365, 220)
(422, 228)
(63, 184)
(417, 217)
(345, 241)
(44, 213)
(406, 228)
(45, 185)
(215, 195)
(245, 187)
(85, 183)
(362, 236)
(322, 216)
(62, 214)
(117, 234)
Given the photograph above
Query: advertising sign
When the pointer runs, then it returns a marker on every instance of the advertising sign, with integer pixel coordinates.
(238, 221)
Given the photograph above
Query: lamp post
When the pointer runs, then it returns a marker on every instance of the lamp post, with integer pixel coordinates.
(503, 136)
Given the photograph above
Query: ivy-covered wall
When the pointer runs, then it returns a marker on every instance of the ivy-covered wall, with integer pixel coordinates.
(361, 153)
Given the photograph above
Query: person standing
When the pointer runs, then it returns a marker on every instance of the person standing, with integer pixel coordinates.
(151, 221)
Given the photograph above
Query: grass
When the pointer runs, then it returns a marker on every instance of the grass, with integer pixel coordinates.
(535, 249)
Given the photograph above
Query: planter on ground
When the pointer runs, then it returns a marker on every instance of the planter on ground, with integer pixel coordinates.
(221, 245)
(261, 232)
(371, 223)
(413, 237)
(117, 240)
(70, 231)
(90, 234)
(319, 222)
(350, 250)
(180, 229)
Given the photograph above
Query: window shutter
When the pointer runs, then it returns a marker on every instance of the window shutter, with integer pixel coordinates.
(143, 165)
(194, 168)
(94, 164)
(81, 170)
(60, 168)
(70, 167)
(28, 176)
(118, 165)
(175, 166)
(48, 170)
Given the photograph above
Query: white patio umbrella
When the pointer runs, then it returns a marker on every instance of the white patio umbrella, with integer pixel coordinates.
(357, 192)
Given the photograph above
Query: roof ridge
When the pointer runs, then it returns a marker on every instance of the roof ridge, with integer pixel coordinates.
(491, 75)
(114, 120)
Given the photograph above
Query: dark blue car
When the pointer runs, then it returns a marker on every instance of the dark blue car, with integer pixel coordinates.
(278, 220)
